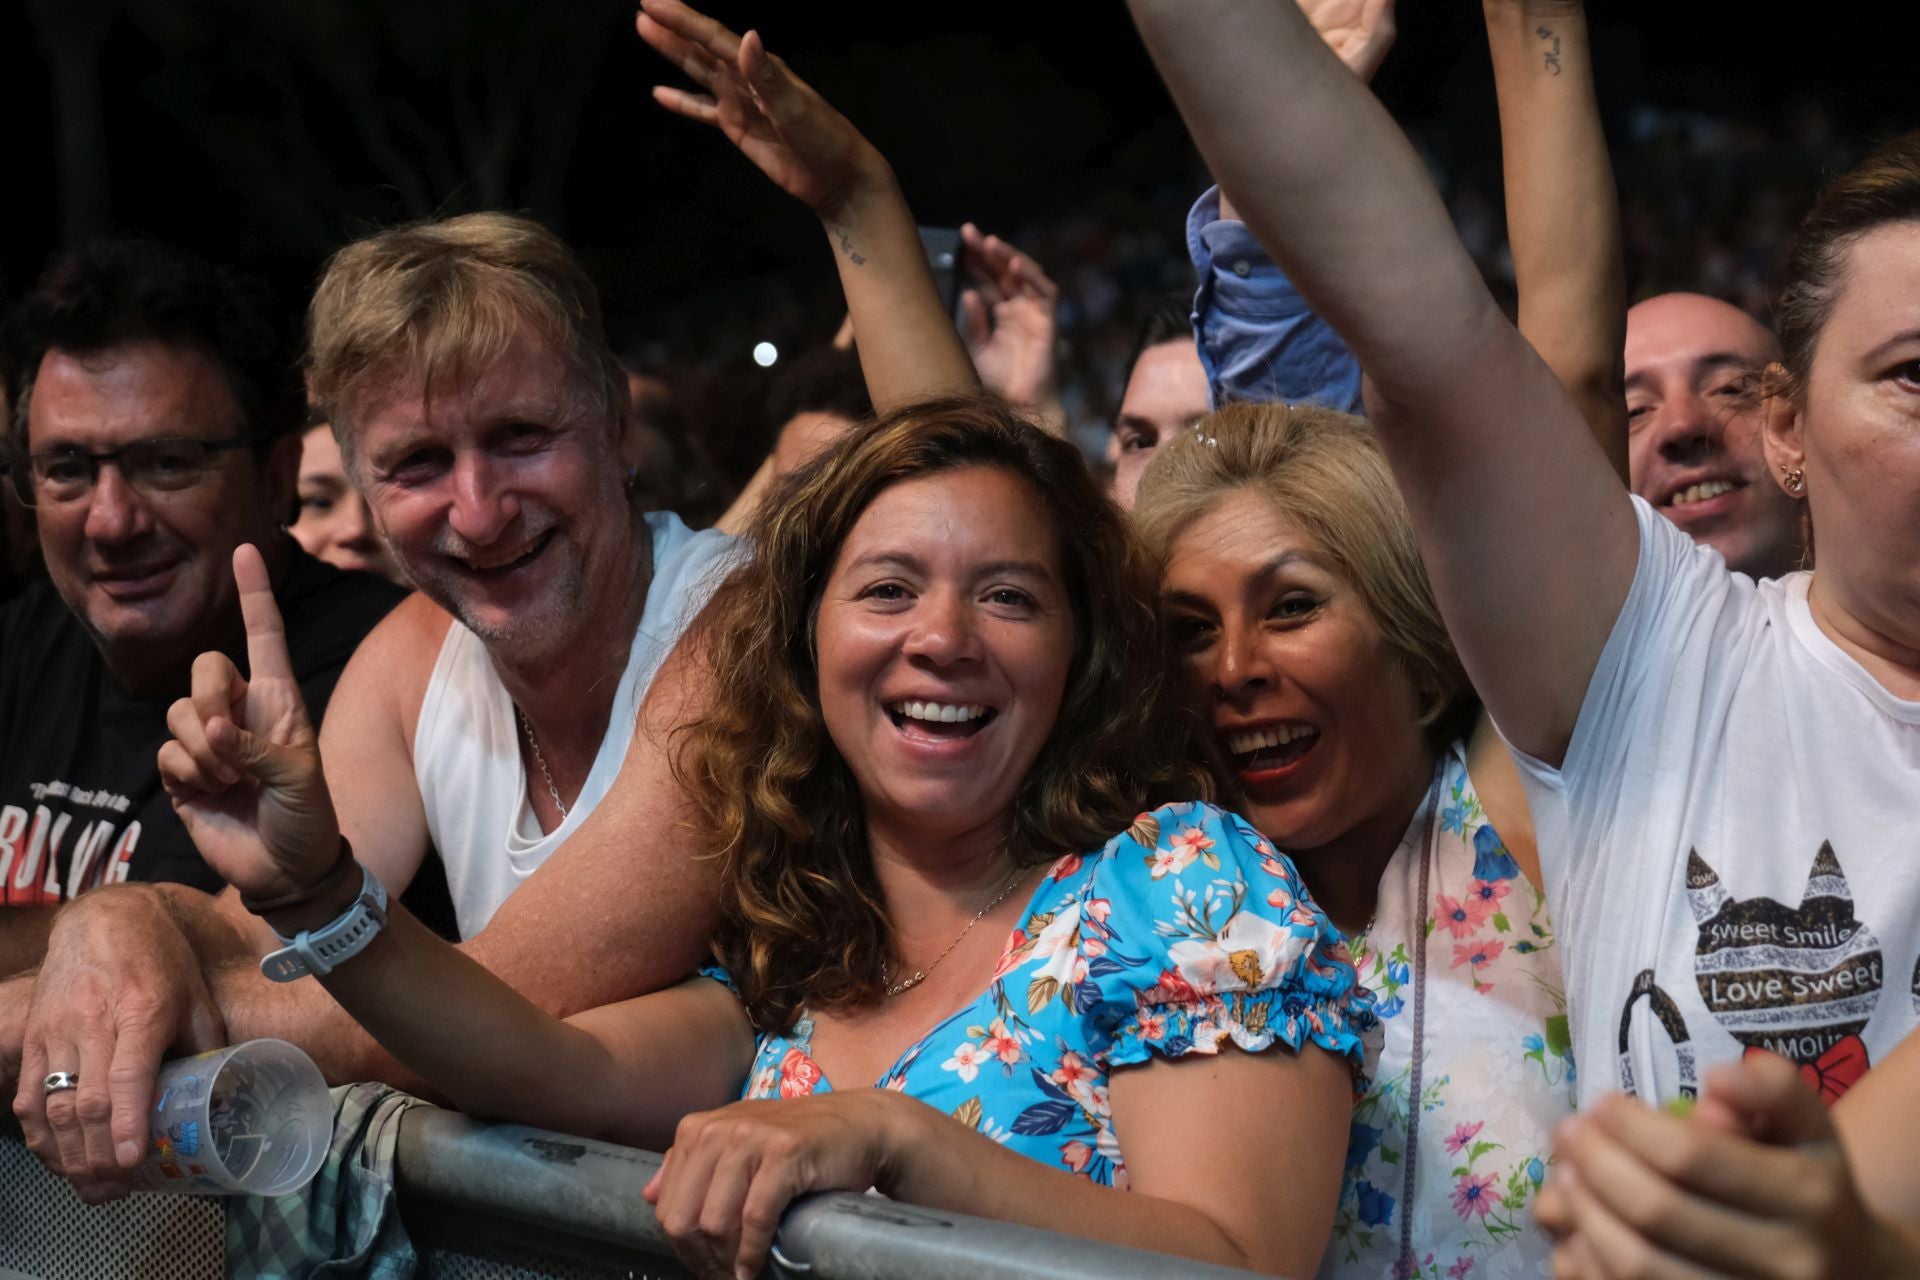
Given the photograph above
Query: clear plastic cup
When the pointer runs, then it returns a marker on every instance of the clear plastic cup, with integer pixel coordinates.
(249, 1119)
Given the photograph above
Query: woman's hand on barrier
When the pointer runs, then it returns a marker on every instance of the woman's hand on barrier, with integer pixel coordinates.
(1753, 1184)
(795, 136)
(243, 768)
(731, 1173)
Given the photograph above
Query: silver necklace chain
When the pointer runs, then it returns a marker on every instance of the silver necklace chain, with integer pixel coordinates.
(541, 760)
(920, 975)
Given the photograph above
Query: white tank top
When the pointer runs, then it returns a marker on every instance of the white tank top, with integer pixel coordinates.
(466, 748)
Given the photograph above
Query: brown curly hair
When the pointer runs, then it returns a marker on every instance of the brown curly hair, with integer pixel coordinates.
(803, 922)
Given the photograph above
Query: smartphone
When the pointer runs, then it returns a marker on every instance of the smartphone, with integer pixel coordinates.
(943, 255)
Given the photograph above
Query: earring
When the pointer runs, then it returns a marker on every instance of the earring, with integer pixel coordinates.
(1795, 479)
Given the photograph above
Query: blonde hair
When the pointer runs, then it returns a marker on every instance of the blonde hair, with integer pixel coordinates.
(1324, 471)
(445, 298)
(803, 921)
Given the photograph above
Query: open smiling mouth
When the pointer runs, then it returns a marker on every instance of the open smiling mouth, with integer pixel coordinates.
(943, 720)
(515, 561)
(1276, 747)
(1705, 491)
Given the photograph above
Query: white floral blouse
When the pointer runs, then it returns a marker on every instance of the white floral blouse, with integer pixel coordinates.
(1498, 1069)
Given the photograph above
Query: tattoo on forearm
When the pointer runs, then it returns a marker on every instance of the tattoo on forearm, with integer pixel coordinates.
(1553, 48)
(846, 246)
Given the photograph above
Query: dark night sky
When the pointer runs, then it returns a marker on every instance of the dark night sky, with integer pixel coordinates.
(995, 112)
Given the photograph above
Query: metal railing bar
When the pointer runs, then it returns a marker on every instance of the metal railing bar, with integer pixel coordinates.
(582, 1187)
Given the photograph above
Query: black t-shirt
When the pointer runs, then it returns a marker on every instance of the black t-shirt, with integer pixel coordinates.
(80, 797)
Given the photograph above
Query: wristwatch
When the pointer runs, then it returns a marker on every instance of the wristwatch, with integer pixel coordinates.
(319, 951)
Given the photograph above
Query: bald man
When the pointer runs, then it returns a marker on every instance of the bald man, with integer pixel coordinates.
(1694, 430)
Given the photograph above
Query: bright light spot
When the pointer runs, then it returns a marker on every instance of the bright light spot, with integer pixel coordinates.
(764, 354)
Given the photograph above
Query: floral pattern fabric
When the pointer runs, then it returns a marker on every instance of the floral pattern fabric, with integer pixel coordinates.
(1184, 932)
(1498, 1067)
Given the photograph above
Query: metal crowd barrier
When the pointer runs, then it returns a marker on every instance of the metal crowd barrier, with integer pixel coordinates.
(505, 1202)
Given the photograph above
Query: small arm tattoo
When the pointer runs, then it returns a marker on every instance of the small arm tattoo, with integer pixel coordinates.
(846, 246)
(1553, 48)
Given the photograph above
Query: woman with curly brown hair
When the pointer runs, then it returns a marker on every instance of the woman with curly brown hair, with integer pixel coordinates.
(939, 710)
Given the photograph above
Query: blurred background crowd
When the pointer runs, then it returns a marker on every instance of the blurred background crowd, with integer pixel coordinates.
(326, 120)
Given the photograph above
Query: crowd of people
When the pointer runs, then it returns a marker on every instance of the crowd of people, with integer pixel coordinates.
(1421, 810)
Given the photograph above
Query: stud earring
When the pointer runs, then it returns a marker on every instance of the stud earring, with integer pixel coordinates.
(1795, 479)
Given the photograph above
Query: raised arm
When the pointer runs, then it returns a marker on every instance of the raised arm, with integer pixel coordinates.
(909, 348)
(632, 1068)
(1563, 215)
(1524, 526)
(565, 940)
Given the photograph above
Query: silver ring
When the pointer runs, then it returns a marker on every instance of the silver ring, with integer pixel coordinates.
(61, 1081)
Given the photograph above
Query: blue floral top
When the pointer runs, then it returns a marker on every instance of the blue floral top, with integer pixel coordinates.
(1183, 932)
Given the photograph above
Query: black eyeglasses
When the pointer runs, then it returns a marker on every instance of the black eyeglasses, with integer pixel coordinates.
(165, 465)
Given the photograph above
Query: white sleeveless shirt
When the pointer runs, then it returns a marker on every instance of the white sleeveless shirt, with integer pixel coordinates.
(466, 748)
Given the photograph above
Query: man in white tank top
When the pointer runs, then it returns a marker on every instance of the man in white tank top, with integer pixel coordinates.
(483, 416)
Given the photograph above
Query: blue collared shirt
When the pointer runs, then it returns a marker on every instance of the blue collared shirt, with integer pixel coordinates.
(1259, 341)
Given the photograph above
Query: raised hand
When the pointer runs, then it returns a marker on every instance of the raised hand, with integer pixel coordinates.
(1008, 318)
(243, 769)
(797, 139)
(909, 350)
(1360, 31)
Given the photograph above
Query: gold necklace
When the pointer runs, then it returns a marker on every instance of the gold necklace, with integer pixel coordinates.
(920, 975)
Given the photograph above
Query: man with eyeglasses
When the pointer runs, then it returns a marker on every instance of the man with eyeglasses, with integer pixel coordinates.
(154, 429)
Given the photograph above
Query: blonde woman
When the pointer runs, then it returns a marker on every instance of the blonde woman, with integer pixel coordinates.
(1316, 654)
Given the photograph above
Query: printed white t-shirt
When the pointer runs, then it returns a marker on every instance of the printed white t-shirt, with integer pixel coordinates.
(1732, 846)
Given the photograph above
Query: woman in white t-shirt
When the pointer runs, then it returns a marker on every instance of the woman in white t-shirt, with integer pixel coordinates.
(1724, 775)
(1319, 662)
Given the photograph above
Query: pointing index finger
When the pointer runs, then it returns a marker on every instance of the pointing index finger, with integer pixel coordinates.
(266, 634)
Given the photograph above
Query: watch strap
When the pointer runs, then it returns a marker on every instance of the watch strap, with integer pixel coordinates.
(320, 951)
